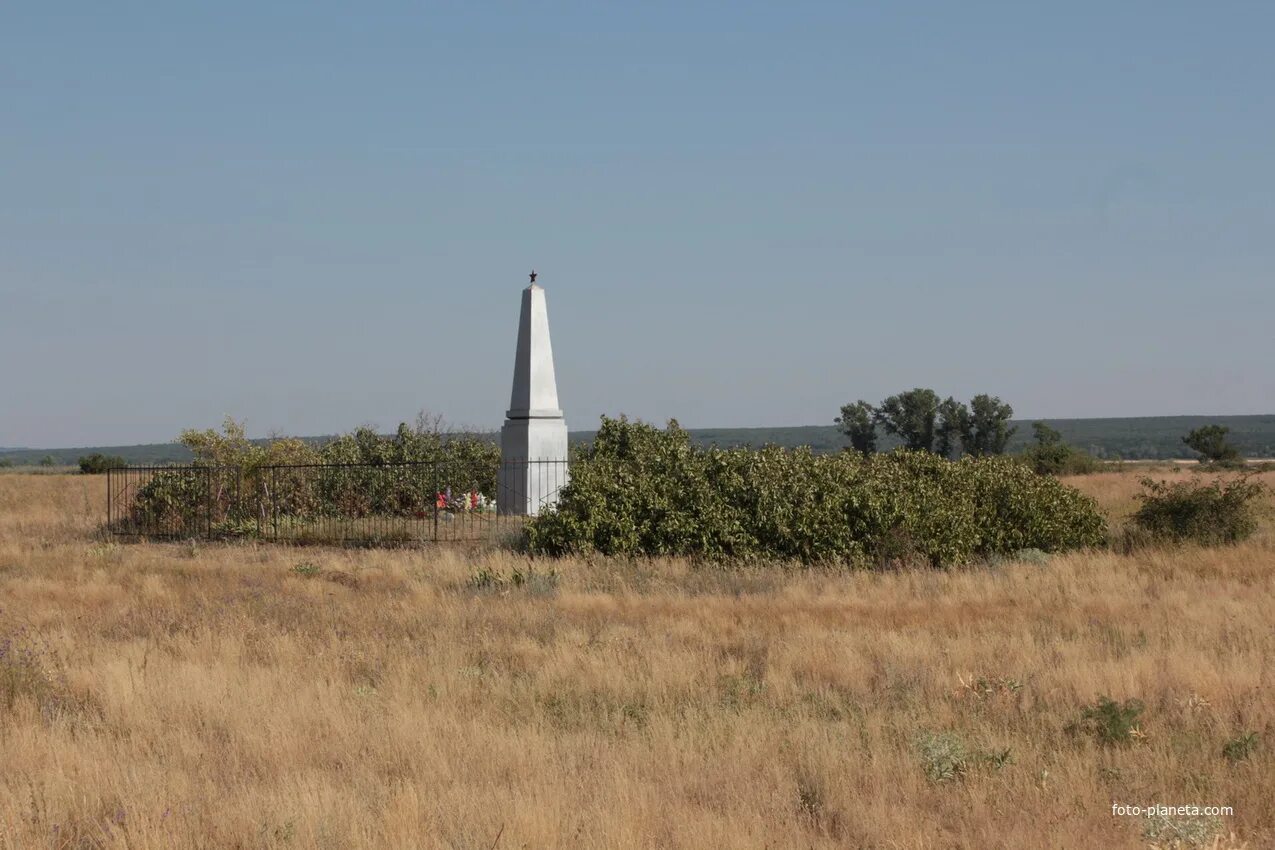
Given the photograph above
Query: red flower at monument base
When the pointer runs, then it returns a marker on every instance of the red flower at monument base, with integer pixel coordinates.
(471, 501)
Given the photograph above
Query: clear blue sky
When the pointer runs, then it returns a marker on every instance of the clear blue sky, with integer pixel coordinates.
(316, 215)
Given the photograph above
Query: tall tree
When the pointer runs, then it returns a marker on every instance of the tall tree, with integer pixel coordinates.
(1210, 442)
(989, 430)
(858, 422)
(1045, 436)
(1051, 456)
(911, 416)
(953, 427)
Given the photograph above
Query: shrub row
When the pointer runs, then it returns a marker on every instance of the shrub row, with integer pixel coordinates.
(354, 475)
(639, 490)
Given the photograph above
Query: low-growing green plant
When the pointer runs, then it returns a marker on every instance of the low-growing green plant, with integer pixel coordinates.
(946, 757)
(1212, 514)
(486, 579)
(1178, 832)
(943, 756)
(1109, 722)
(639, 490)
(998, 759)
(536, 583)
(1240, 747)
(524, 578)
(984, 687)
(307, 569)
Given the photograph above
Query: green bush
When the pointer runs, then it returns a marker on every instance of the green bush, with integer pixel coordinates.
(97, 463)
(466, 462)
(1212, 514)
(638, 490)
(172, 502)
(1020, 509)
(1108, 722)
(1051, 456)
(1061, 460)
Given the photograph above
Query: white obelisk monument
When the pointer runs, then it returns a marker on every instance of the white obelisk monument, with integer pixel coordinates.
(533, 441)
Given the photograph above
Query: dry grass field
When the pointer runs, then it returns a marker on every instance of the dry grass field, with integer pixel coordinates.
(210, 695)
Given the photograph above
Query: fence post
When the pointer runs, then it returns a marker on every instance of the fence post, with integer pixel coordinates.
(208, 505)
(109, 513)
(433, 497)
(274, 502)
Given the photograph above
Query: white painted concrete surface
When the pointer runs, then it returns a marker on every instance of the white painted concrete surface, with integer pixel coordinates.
(533, 441)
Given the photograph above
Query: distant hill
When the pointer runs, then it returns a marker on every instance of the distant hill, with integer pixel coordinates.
(1137, 438)
(147, 454)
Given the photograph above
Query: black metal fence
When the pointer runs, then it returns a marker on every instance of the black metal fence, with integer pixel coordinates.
(430, 501)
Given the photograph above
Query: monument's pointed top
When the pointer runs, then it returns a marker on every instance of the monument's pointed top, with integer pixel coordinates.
(535, 391)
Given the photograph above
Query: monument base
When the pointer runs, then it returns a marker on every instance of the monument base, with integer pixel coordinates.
(533, 464)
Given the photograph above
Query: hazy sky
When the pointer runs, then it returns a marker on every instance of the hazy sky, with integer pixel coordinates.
(317, 215)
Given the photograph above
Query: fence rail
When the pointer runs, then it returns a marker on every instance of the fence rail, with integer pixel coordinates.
(426, 501)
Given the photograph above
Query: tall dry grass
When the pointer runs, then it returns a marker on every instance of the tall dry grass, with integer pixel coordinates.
(193, 695)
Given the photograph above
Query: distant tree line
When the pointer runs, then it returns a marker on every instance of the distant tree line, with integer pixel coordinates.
(923, 422)
(950, 428)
